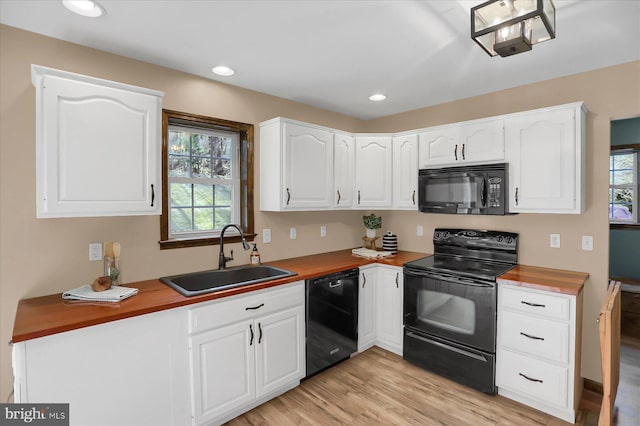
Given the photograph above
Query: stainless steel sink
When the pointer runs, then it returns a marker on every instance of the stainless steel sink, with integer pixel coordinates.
(221, 279)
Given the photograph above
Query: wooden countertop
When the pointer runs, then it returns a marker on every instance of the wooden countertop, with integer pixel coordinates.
(555, 280)
(46, 315)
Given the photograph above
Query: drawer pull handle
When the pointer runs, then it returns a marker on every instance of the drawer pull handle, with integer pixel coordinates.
(535, 305)
(288, 196)
(338, 191)
(364, 280)
(251, 308)
(530, 379)
(260, 328)
(251, 339)
(531, 337)
(397, 275)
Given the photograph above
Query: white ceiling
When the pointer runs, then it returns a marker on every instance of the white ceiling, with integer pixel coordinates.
(334, 54)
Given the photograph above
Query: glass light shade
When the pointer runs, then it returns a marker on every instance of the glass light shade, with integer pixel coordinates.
(518, 23)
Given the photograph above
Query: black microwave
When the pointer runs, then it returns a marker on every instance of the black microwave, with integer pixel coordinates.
(479, 189)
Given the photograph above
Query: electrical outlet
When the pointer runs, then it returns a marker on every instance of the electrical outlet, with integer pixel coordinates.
(587, 242)
(323, 231)
(95, 251)
(292, 233)
(419, 231)
(554, 240)
(266, 236)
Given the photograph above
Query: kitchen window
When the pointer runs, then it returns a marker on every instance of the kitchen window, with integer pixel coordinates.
(207, 179)
(623, 187)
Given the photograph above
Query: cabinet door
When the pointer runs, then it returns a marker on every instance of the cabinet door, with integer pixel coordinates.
(373, 171)
(308, 167)
(542, 156)
(366, 308)
(405, 172)
(223, 370)
(98, 150)
(280, 349)
(482, 141)
(344, 170)
(389, 295)
(440, 147)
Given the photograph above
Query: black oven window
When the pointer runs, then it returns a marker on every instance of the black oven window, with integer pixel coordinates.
(447, 311)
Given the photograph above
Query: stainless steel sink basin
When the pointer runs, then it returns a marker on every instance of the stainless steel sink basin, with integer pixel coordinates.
(221, 279)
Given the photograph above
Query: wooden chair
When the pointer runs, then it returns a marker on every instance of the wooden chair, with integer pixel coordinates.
(609, 324)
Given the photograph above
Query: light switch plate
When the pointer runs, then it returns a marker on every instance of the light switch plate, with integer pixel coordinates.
(293, 233)
(95, 251)
(419, 231)
(266, 236)
(587, 242)
(323, 231)
(554, 240)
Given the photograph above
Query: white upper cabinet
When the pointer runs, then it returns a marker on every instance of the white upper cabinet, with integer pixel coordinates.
(545, 151)
(98, 146)
(344, 170)
(296, 166)
(462, 143)
(373, 171)
(405, 172)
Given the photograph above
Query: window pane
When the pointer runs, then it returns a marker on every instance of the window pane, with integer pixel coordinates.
(202, 195)
(622, 177)
(223, 217)
(201, 144)
(181, 220)
(180, 194)
(201, 167)
(623, 161)
(178, 142)
(223, 195)
(622, 195)
(178, 166)
(620, 212)
(222, 168)
(222, 147)
(203, 219)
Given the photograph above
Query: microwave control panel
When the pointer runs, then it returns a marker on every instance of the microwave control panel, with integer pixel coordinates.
(495, 183)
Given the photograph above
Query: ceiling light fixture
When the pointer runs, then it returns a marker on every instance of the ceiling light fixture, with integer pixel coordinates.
(508, 27)
(86, 8)
(377, 97)
(223, 71)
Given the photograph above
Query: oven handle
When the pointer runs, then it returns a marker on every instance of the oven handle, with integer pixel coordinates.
(446, 278)
(451, 348)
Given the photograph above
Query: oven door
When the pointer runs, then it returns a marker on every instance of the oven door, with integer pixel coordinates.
(453, 308)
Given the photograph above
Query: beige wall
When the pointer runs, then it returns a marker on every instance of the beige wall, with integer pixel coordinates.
(47, 256)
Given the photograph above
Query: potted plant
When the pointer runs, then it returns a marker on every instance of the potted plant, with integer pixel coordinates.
(372, 222)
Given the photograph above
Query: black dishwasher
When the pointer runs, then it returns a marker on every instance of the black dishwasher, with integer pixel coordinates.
(332, 319)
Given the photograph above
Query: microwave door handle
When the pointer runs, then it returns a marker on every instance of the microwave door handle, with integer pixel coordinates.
(483, 193)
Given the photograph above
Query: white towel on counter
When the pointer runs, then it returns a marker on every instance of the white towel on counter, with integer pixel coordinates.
(370, 254)
(114, 294)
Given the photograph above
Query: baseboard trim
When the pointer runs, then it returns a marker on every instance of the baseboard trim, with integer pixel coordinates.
(593, 386)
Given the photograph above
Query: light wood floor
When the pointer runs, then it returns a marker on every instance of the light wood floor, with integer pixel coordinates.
(380, 388)
(628, 398)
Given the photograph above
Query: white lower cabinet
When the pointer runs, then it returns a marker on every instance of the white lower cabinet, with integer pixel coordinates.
(380, 308)
(133, 371)
(367, 308)
(537, 354)
(389, 294)
(246, 350)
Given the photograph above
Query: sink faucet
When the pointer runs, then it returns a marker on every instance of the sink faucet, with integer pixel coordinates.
(222, 259)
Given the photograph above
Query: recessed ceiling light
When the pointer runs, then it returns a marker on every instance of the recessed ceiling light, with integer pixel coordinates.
(87, 8)
(223, 71)
(377, 97)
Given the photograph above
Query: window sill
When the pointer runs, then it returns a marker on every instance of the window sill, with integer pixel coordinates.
(634, 226)
(204, 241)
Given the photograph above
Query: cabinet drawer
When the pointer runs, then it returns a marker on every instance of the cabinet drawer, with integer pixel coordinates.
(238, 308)
(537, 379)
(543, 304)
(535, 336)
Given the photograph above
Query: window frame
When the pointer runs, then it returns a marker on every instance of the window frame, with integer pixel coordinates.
(245, 147)
(635, 223)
